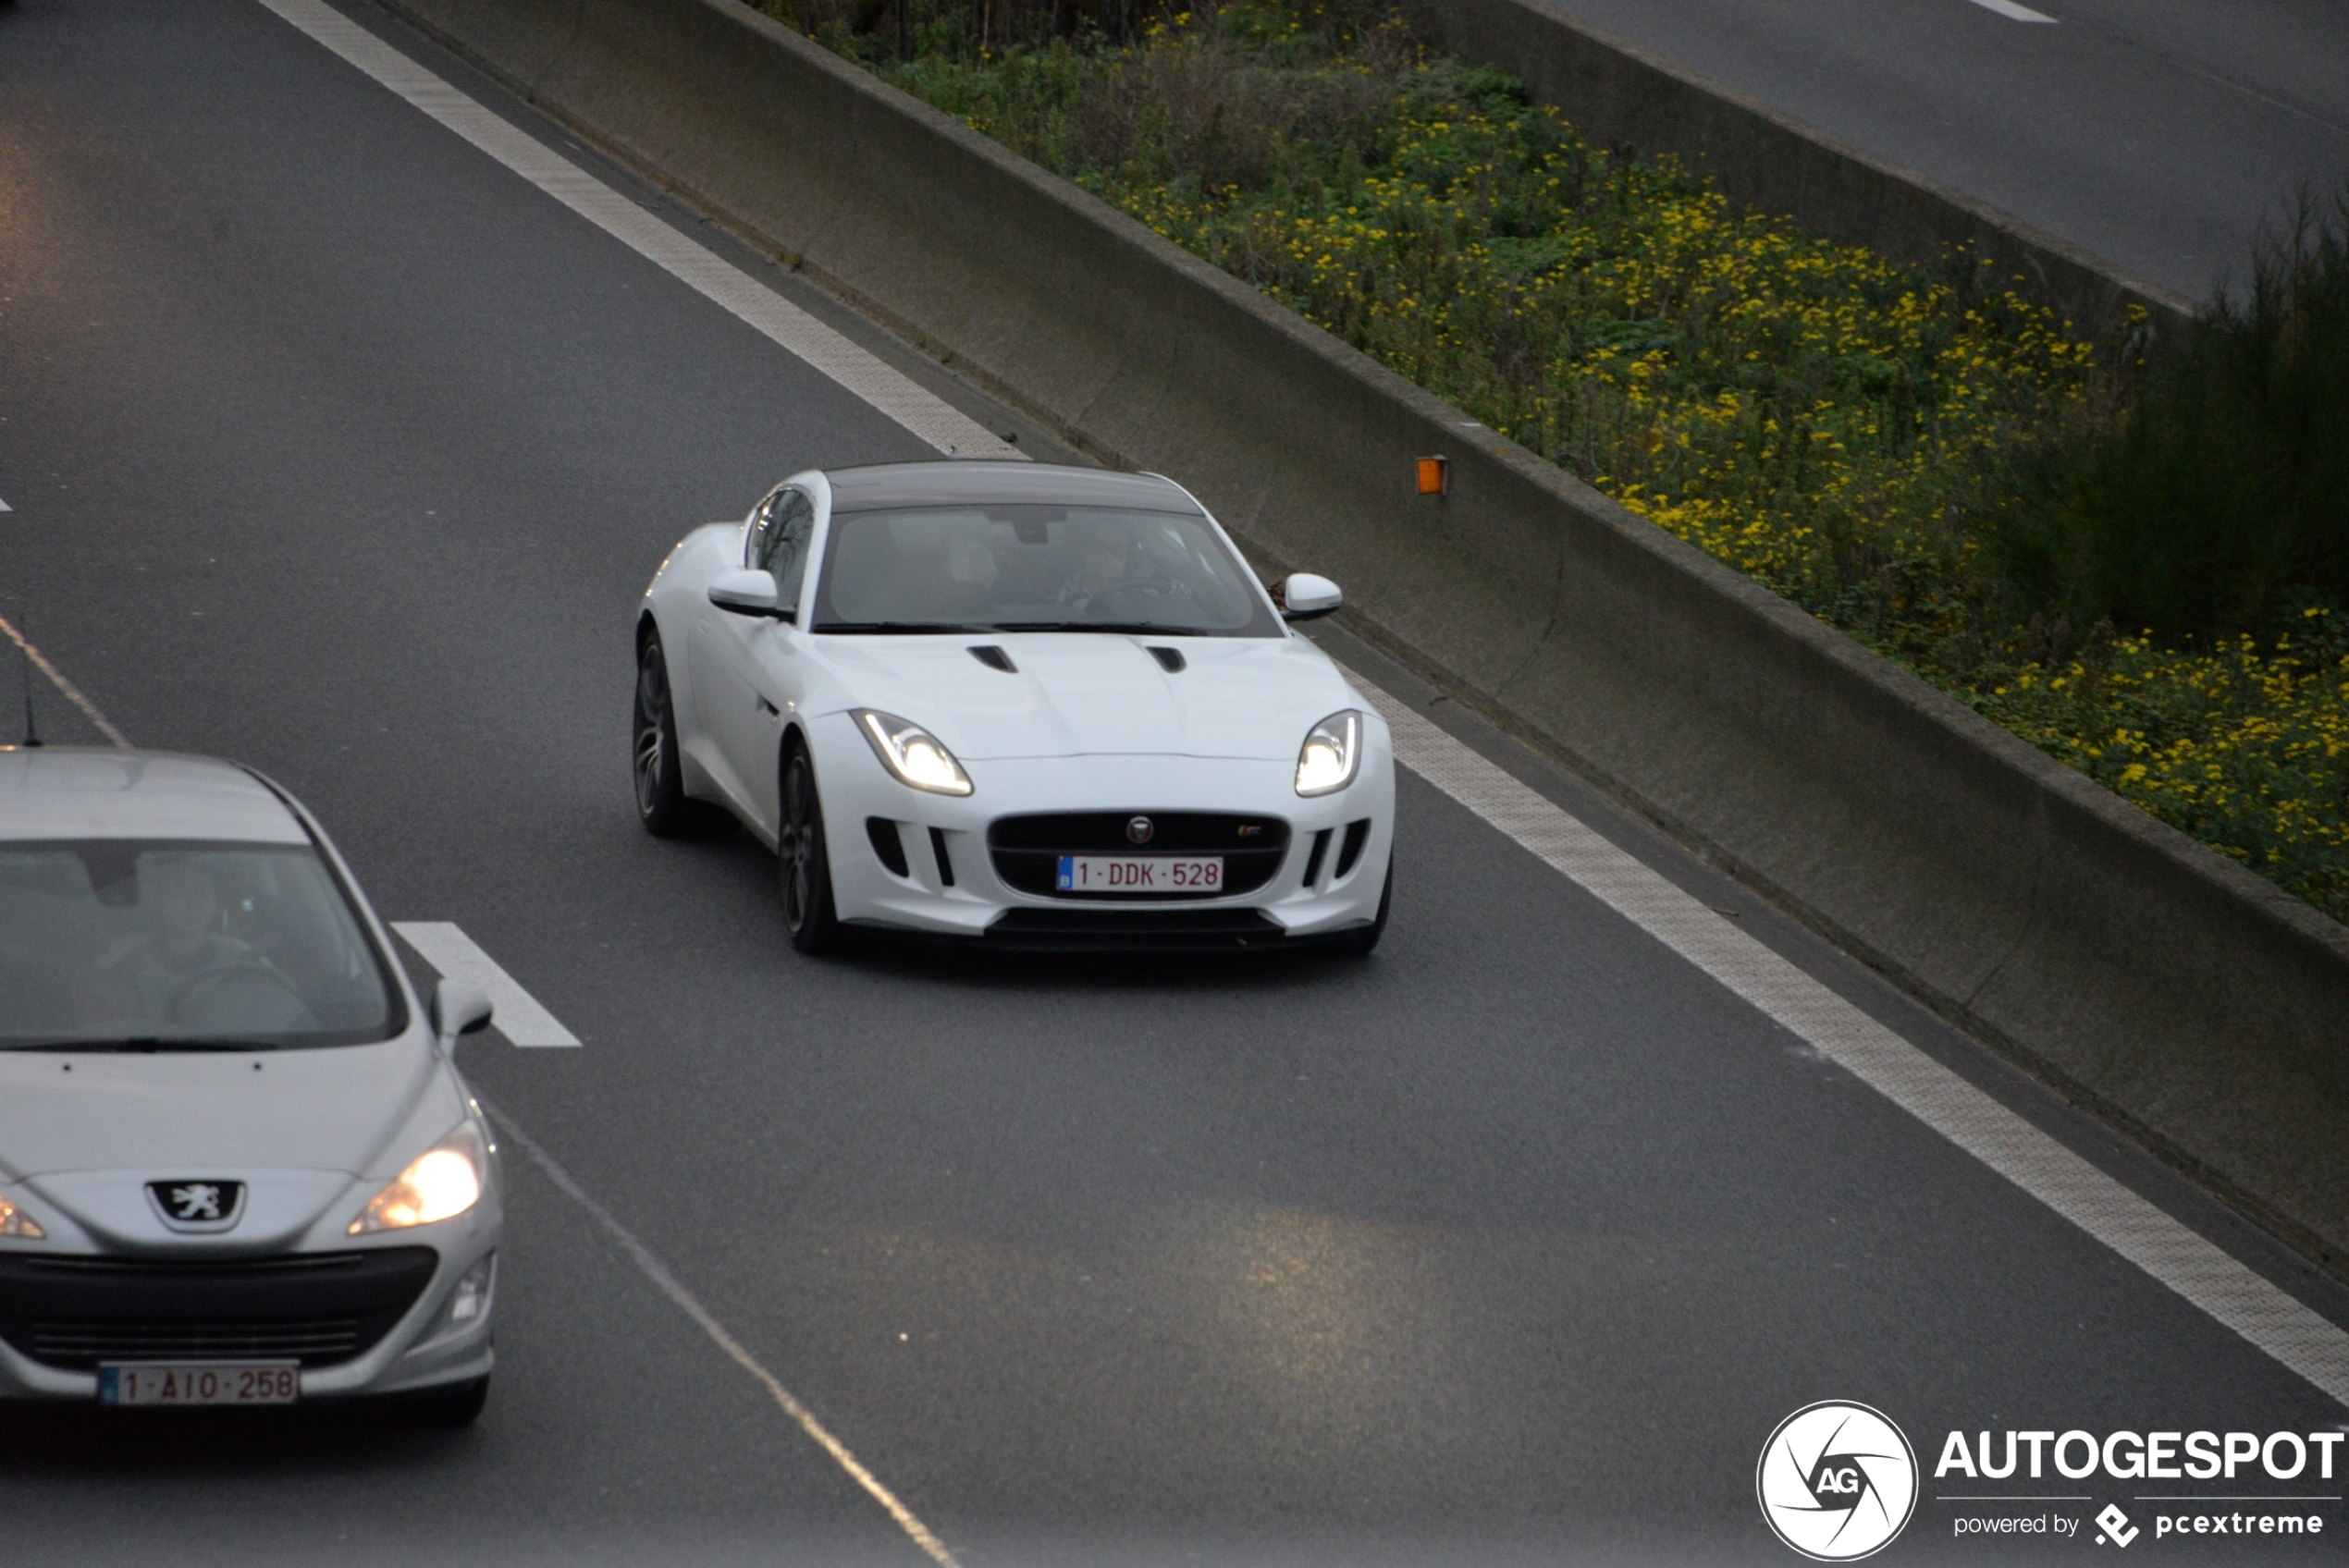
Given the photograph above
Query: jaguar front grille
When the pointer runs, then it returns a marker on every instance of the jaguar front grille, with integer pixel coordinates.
(1028, 850)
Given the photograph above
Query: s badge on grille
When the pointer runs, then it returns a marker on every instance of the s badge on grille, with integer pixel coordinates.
(198, 1204)
(1139, 830)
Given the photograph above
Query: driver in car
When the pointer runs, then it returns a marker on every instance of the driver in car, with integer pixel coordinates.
(185, 972)
(1103, 561)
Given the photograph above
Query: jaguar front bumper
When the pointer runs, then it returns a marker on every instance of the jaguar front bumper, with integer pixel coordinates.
(950, 883)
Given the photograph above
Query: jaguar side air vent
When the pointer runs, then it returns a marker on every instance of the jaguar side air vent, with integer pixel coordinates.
(994, 658)
(1171, 658)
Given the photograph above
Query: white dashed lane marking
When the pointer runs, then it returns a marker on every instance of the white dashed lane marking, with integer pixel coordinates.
(458, 957)
(2178, 1257)
(943, 426)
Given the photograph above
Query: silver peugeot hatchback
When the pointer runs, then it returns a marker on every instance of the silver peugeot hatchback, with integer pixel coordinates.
(237, 1163)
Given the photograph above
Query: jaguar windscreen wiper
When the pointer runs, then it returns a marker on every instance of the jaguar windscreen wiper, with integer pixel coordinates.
(902, 628)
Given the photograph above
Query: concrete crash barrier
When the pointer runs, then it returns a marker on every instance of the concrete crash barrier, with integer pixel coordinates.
(1619, 95)
(2189, 1000)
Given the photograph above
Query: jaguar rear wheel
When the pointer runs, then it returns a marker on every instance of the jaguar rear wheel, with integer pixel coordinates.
(662, 804)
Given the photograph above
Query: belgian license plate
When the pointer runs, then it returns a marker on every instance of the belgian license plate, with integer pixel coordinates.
(208, 1382)
(1141, 874)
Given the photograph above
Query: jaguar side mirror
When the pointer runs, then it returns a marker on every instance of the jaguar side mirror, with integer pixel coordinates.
(1304, 597)
(746, 591)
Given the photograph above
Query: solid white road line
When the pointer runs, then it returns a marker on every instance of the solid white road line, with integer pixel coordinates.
(459, 957)
(2013, 12)
(658, 1272)
(2175, 1255)
(72, 692)
(930, 418)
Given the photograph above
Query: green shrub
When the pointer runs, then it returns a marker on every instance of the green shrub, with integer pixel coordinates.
(2220, 506)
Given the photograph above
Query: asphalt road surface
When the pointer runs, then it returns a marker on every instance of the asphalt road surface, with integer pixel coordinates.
(2158, 134)
(331, 446)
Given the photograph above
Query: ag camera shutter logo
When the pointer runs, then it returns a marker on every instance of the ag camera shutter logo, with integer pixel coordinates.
(1837, 1481)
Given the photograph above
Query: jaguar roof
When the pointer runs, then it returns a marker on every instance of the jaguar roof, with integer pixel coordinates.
(993, 482)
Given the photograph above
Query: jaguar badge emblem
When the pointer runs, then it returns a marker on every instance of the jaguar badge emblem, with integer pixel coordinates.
(1139, 830)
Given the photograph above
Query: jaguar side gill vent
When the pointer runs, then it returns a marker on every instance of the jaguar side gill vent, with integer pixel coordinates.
(1313, 858)
(1171, 659)
(994, 658)
(887, 846)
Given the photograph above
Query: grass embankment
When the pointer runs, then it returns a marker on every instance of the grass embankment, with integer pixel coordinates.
(2139, 579)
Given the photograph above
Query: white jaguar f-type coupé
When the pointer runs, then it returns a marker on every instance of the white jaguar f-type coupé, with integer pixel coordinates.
(1045, 706)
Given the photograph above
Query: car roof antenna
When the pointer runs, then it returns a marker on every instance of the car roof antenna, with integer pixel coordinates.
(24, 653)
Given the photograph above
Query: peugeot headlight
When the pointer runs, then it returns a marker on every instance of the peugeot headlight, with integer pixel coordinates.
(440, 1183)
(918, 758)
(15, 1222)
(1332, 754)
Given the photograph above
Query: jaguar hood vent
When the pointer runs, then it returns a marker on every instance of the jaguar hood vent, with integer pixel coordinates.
(1072, 694)
(994, 658)
(1171, 658)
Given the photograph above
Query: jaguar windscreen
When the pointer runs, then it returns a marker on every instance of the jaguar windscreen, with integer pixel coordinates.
(1035, 568)
(131, 944)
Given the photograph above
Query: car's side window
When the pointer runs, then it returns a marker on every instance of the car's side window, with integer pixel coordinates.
(759, 542)
(783, 547)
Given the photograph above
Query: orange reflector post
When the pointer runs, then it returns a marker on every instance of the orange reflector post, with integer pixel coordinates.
(1434, 475)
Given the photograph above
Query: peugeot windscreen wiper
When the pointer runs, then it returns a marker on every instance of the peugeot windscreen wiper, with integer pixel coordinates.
(141, 1045)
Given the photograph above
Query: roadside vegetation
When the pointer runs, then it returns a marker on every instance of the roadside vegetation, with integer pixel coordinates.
(2142, 571)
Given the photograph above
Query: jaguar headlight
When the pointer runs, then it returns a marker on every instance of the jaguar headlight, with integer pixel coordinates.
(440, 1183)
(916, 756)
(15, 1222)
(1332, 754)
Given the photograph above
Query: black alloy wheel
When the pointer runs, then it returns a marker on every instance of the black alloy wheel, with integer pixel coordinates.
(806, 867)
(1357, 943)
(662, 804)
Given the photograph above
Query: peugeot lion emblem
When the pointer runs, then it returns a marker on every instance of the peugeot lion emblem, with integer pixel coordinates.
(198, 1204)
(1139, 830)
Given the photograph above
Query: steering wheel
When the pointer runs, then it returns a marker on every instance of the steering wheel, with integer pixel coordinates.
(1136, 598)
(237, 985)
